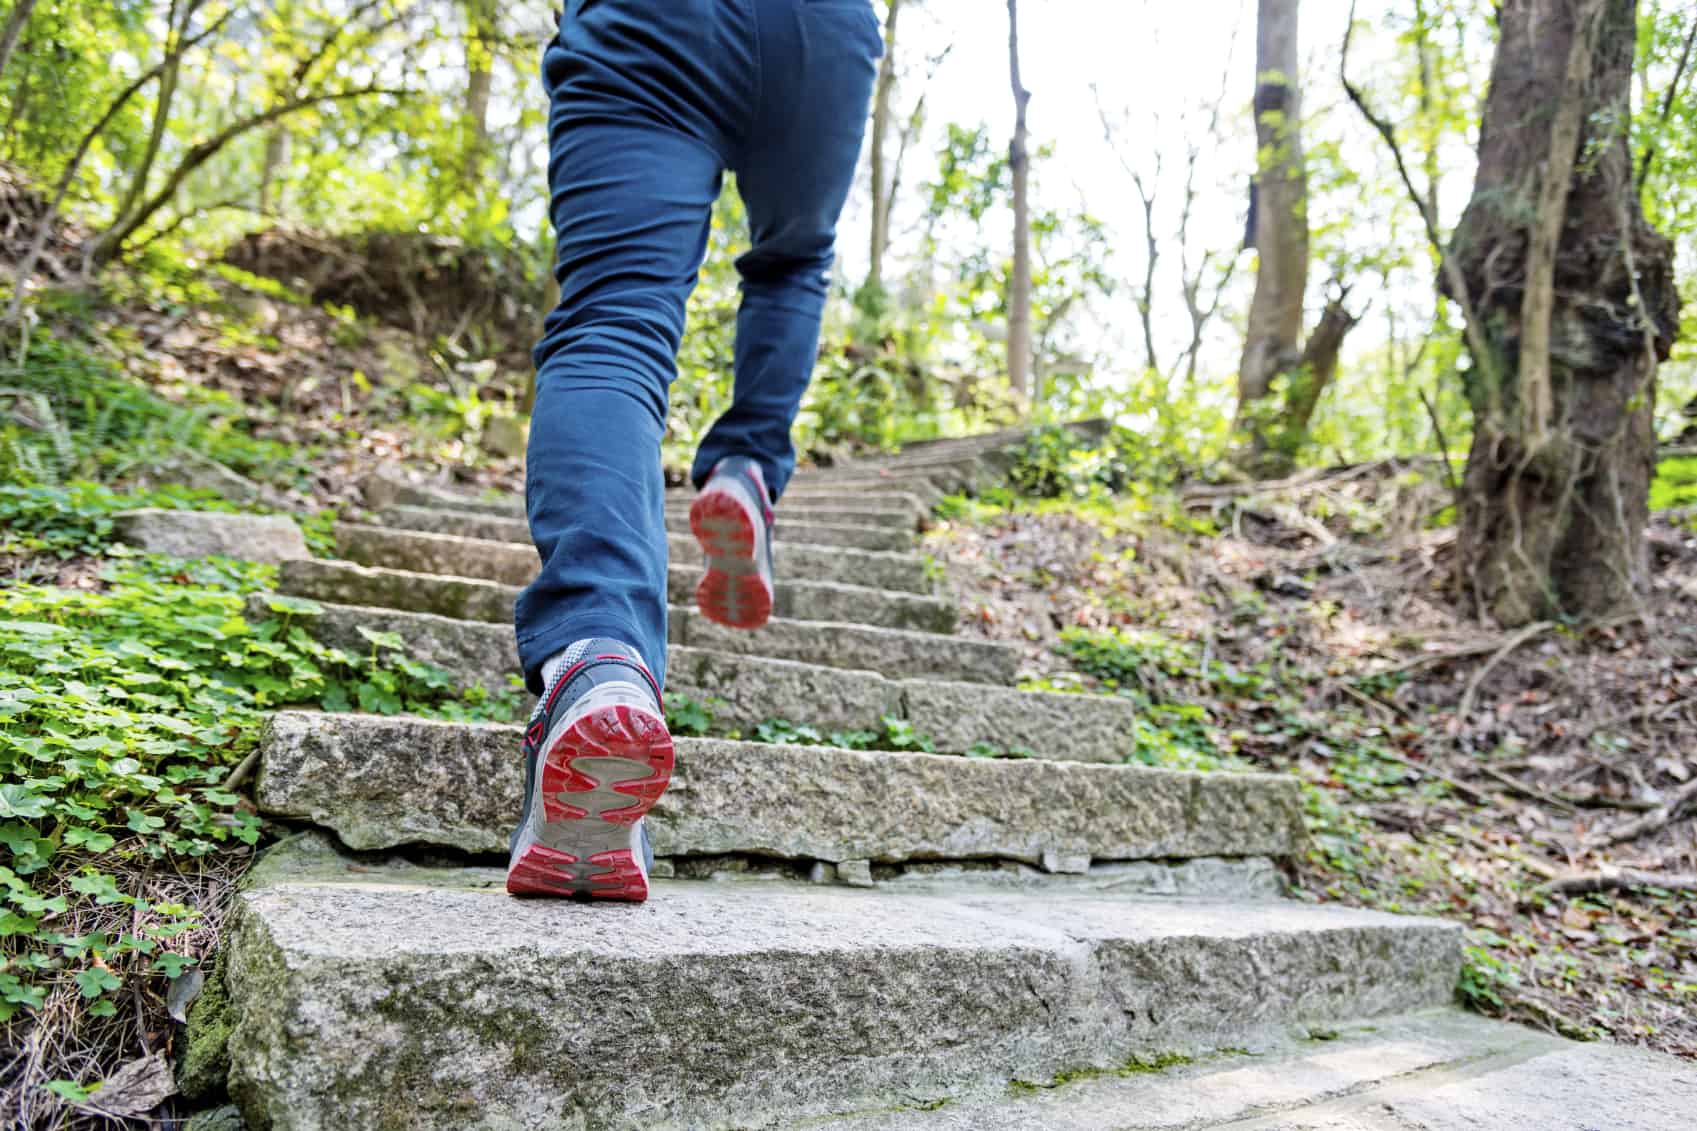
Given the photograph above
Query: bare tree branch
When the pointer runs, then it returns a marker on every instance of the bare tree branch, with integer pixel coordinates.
(1482, 356)
(15, 21)
(111, 242)
(1667, 105)
(44, 226)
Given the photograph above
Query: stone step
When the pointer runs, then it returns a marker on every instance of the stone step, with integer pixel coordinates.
(469, 524)
(513, 563)
(381, 783)
(852, 507)
(370, 995)
(1436, 1070)
(483, 652)
(388, 487)
(918, 494)
(466, 598)
(744, 691)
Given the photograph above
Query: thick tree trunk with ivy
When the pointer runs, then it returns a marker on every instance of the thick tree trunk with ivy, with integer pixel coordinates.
(1019, 167)
(1275, 428)
(1572, 303)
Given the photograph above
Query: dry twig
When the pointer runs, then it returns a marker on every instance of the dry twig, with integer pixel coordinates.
(1616, 879)
(1521, 637)
(1654, 820)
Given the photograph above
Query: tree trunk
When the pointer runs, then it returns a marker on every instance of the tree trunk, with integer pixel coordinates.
(276, 156)
(1019, 286)
(481, 17)
(1273, 342)
(15, 20)
(1575, 305)
(882, 189)
(1274, 432)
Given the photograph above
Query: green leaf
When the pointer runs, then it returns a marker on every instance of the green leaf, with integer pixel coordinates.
(140, 822)
(95, 981)
(19, 801)
(70, 1091)
(293, 606)
(172, 965)
(34, 628)
(91, 839)
(383, 639)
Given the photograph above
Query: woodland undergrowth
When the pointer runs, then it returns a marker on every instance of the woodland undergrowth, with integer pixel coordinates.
(1536, 785)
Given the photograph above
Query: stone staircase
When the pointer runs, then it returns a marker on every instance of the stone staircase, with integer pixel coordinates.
(837, 938)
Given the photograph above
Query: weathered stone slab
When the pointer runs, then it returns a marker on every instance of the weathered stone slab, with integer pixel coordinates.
(506, 563)
(484, 652)
(200, 534)
(1342, 1082)
(388, 486)
(366, 997)
(513, 563)
(745, 691)
(469, 524)
(344, 583)
(383, 782)
(748, 690)
(889, 651)
(836, 603)
(1089, 728)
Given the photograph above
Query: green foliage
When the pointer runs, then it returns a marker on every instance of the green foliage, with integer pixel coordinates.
(689, 717)
(121, 712)
(76, 519)
(72, 416)
(892, 734)
(1675, 484)
(1484, 975)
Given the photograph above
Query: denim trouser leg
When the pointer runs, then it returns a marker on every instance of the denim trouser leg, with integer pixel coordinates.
(794, 174)
(649, 101)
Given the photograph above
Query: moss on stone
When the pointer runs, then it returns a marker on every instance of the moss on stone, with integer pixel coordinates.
(204, 1070)
(1136, 1065)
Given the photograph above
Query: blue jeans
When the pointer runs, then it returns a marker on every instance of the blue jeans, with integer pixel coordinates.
(650, 101)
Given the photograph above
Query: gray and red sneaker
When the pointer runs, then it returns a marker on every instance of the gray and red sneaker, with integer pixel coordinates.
(732, 519)
(597, 756)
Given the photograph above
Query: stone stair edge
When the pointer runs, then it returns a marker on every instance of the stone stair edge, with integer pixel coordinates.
(505, 547)
(481, 599)
(903, 652)
(382, 782)
(786, 1001)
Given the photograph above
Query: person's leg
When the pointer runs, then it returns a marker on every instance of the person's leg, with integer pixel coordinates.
(634, 168)
(794, 167)
(637, 113)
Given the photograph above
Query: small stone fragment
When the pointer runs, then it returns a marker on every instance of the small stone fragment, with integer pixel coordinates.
(822, 873)
(1063, 864)
(855, 873)
(663, 870)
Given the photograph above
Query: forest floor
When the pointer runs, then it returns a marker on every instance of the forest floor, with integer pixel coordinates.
(1539, 786)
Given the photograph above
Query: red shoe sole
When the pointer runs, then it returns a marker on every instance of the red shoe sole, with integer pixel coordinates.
(732, 591)
(584, 765)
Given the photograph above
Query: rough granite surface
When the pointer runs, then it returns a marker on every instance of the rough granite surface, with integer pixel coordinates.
(513, 563)
(470, 524)
(345, 583)
(435, 1000)
(1434, 1070)
(200, 534)
(382, 782)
